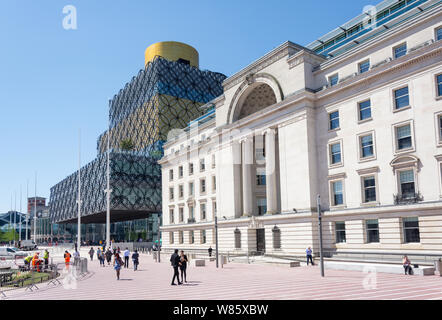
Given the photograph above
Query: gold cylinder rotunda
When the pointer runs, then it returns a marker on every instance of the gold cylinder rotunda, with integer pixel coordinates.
(173, 51)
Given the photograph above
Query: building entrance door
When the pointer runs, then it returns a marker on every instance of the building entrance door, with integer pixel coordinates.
(260, 241)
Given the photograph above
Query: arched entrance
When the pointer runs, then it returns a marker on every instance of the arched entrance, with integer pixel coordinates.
(259, 98)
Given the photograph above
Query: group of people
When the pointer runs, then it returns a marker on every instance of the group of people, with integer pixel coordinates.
(179, 261)
(34, 261)
(106, 256)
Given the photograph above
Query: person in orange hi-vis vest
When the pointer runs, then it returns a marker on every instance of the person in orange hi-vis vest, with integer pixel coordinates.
(35, 260)
(67, 259)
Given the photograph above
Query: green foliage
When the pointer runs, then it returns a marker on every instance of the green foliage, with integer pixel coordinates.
(8, 235)
(127, 145)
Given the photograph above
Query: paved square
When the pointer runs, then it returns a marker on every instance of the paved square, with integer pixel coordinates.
(236, 282)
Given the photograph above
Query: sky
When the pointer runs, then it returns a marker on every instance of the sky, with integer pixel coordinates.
(55, 83)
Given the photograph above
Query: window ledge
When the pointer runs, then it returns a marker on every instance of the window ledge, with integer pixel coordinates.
(367, 159)
(401, 109)
(333, 166)
(398, 152)
(334, 130)
(370, 204)
(365, 120)
(341, 206)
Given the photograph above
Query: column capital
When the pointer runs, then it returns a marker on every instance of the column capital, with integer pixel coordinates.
(245, 139)
(269, 131)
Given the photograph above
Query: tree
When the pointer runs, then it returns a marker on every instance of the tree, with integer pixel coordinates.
(127, 145)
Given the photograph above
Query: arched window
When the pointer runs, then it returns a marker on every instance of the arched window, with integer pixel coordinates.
(237, 234)
(276, 238)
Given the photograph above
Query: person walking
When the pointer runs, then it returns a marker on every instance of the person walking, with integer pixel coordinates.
(117, 265)
(309, 252)
(67, 259)
(98, 253)
(407, 266)
(46, 258)
(183, 266)
(91, 253)
(108, 255)
(101, 258)
(210, 251)
(126, 258)
(175, 261)
(135, 260)
(76, 258)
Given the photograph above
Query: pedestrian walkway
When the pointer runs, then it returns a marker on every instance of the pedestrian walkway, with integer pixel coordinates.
(237, 282)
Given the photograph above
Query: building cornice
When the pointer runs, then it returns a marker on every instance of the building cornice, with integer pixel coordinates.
(288, 48)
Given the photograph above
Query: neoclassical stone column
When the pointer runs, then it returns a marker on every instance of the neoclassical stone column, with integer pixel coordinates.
(270, 157)
(247, 166)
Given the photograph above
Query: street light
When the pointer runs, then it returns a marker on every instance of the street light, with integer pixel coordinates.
(320, 235)
(159, 243)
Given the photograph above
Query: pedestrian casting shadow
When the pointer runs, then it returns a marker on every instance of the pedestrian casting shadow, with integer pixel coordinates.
(126, 279)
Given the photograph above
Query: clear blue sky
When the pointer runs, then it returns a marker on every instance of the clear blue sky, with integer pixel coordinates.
(54, 82)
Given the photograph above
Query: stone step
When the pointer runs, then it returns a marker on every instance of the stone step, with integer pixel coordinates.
(376, 267)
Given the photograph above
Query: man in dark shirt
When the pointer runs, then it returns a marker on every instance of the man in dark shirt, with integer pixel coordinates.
(175, 261)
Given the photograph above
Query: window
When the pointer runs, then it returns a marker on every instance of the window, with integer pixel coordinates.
(364, 66)
(170, 174)
(369, 184)
(439, 85)
(403, 137)
(190, 169)
(181, 191)
(411, 230)
(180, 171)
(406, 181)
(276, 235)
(262, 206)
(439, 127)
(180, 236)
(191, 213)
(439, 34)
(237, 234)
(366, 146)
(213, 183)
(400, 51)
(203, 211)
(171, 240)
(203, 236)
(202, 165)
(338, 195)
(170, 193)
(334, 120)
(333, 80)
(335, 153)
(213, 161)
(401, 98)
(181, 214)
(191, 237)
(171, 216)
(190, 188)
(372, 228)
(202, 185)
(340, 232)
(364, 110)
(260, 177)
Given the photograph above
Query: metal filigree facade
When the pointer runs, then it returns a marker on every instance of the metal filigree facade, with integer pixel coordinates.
(165, 95)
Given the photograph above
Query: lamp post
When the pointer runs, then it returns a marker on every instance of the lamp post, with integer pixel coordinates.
(20, 217)
(79, 193)
(216, 240)
(320, 235)
(108, 190)
(35, 210)
(159, 243)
